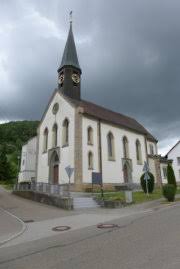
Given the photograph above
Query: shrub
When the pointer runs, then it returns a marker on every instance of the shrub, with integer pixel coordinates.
(150, 183)
(169, 191)
(170, 176)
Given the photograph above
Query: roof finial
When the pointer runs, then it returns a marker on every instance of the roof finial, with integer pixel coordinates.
(70, 17)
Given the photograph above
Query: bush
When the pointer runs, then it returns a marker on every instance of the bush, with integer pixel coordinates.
(169, 191)
(150, 183)
(170, 176)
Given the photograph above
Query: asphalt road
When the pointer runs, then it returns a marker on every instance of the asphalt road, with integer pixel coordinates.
(149, 240)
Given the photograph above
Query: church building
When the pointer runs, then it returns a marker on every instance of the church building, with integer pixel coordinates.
(88, 137)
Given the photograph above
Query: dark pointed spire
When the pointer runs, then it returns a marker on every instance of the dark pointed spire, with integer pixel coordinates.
(70, 57)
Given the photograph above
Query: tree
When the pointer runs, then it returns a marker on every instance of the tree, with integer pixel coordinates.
(170, 176)
(150, 183)
(5, 169)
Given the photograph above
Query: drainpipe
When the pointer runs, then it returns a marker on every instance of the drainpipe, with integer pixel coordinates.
(100, 155)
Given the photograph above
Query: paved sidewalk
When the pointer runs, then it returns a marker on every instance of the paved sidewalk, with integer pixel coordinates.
(46, 217)
(10, 226)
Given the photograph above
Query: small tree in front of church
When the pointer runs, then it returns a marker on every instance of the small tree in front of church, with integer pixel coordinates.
(150, 183)
(170, 176)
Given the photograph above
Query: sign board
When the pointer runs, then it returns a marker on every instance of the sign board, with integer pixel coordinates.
(96, 178)
(146, 167)
(146, 176)
(69, 170)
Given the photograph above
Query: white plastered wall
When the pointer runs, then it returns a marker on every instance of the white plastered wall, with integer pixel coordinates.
(112, 170)
(66, 153)
(173, 155)
(28, 160)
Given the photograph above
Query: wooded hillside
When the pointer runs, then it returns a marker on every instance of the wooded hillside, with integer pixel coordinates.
(12, 136)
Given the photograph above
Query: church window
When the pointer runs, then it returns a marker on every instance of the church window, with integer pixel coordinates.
(45, 143)
(65, 134)
(125, 147)
(165, 172)
(138, 152)
(54, 135)
(90, 136)
(151, 149)
(90, 160)
(110, 144)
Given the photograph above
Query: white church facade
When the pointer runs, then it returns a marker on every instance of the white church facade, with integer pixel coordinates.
(88, 137)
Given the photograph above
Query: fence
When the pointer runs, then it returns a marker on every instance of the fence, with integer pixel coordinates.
(41, 187)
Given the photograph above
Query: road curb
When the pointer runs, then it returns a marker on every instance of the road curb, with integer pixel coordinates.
(16, 234)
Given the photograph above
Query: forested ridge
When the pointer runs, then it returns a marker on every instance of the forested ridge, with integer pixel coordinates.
(12, 136)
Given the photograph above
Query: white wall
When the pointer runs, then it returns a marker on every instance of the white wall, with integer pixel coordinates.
(66, 153)
(28, 160)
(87, 174)
(173, 155)
(112, 170)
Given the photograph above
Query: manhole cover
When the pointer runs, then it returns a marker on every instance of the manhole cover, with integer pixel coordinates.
(61, 228)
(104, 226)
(28, 220)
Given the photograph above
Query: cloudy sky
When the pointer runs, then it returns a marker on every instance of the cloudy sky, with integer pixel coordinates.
(129, 52)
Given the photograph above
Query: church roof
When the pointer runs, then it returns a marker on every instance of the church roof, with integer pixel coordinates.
(70, 55)
(110, 116)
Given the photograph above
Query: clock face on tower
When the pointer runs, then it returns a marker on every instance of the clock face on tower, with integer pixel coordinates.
(76, 78)
(61, 78)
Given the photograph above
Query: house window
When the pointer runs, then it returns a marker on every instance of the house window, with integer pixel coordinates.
(178, 160)
(110, 144)
(45, 143)
(54, 135)
(90, 160)
(65, 134)
(90, 136)
(138, 152)
(125, 147)
(164, 172)
(151, 149)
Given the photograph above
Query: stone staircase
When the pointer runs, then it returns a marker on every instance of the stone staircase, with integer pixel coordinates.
(84, 202)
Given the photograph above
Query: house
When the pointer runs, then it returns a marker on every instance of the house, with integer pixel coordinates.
(174, 155)
(28, 161)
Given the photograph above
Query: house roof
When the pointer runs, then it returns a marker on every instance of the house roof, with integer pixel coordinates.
(110, 116)
(173, 147)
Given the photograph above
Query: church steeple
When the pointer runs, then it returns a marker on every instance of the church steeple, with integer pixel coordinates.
(69, 71)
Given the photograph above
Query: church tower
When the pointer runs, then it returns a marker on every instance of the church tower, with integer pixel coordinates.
(69, 72)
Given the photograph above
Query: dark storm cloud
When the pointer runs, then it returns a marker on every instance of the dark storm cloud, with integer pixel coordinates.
(128, 51)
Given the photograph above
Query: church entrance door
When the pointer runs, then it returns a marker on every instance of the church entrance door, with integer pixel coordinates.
(56, 174)
(54, 169)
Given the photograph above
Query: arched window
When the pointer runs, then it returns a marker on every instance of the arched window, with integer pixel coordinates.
(54, 135)
(45, 143)
(151, 149)
(90, 160)
(90, 135)
(110, 144)
(65, 134)
(138, 151)
(125, 147)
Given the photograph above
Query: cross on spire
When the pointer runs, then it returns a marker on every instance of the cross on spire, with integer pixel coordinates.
(70, 16)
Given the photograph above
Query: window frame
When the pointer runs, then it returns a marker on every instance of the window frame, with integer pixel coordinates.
(110, 146)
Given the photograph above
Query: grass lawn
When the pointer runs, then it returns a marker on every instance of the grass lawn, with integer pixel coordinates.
(138, 197)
